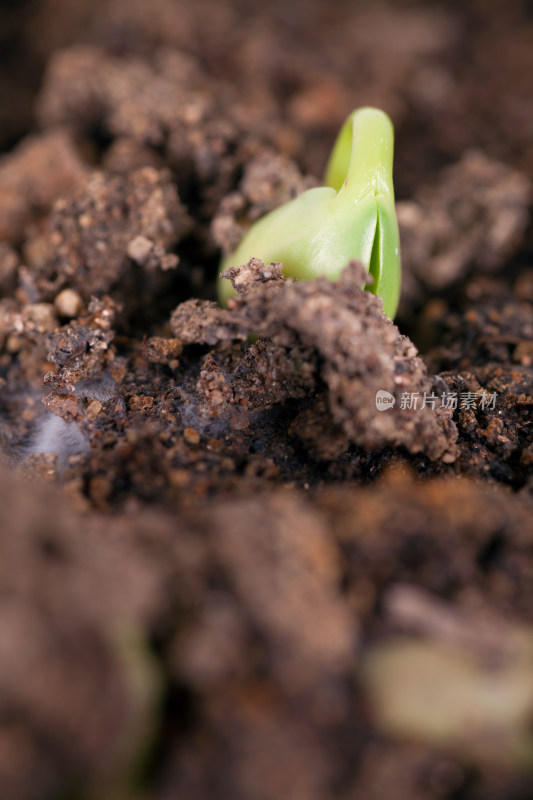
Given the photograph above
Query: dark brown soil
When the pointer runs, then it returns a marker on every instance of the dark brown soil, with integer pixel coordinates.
(224, 571)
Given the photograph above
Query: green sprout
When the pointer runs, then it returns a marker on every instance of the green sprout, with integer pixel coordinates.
(353, 216)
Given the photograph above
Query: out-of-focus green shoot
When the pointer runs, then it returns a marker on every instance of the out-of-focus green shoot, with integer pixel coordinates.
(353, 216)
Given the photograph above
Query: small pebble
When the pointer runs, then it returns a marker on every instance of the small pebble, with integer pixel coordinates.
(139, 249)
(68, 303)
(191, 436)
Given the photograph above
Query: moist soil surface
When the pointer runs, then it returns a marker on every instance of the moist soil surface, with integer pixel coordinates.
(282, 549)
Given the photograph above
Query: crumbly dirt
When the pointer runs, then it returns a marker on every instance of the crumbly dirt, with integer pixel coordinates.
(226, 572)
(356, 349)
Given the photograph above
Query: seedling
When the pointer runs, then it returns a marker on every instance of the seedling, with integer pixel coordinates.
(353, 216)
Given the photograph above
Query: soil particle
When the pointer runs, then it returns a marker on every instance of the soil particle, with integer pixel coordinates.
(82, 349)
(68, 303)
